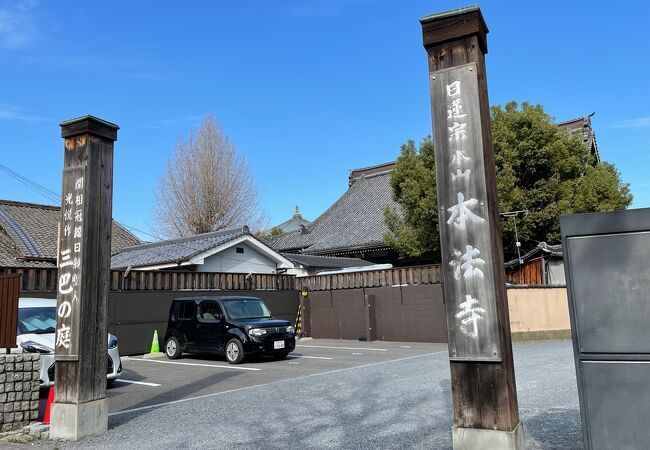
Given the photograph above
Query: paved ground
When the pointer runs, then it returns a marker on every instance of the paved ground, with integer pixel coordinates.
(332, 394)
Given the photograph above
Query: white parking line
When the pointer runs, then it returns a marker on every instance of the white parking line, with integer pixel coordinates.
(309, 357)
(288, 380)
(144, 383)
(196, 364)
(346, 348)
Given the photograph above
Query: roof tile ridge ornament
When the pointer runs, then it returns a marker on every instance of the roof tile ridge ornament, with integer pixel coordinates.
(374, 166)
(377, 174)
(355, 175)
(586, 119)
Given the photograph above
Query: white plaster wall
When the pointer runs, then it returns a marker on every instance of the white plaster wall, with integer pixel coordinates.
(298, 271)
(231, 261)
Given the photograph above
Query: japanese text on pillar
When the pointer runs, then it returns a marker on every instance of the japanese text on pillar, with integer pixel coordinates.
(70, 262)
(466, 263)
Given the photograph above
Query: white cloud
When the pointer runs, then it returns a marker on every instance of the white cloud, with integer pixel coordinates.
(12, 112)
(641, 122)
(17, 28)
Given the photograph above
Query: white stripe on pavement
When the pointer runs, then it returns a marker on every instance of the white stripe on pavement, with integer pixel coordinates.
(346, 348)
(195, 364)
(215, 394)
(309, 357)
(144, 383)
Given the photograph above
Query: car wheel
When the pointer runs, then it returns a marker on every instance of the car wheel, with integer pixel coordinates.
(109, 383)
(234, 351)
(173, 348)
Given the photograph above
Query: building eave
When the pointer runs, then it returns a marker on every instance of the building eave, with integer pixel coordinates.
(281, 261)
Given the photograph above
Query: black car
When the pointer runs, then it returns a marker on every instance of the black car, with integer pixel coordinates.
(233, 326)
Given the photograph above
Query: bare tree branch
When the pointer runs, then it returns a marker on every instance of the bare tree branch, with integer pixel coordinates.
(206, 186)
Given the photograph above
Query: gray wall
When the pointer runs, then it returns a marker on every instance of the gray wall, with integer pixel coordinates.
(406, 314)
(134, 315)
(556, 271)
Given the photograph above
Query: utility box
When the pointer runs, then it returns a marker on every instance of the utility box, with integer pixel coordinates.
(607, 266)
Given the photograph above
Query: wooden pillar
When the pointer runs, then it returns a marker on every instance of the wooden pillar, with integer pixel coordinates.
(480, 351)
(80, 408)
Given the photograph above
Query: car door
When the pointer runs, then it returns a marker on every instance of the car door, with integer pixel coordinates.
(186, 324)
(210, 326)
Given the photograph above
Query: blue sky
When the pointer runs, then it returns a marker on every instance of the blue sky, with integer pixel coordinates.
(307, 90)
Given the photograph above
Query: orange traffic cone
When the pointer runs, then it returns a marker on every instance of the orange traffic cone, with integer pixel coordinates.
(50, 399)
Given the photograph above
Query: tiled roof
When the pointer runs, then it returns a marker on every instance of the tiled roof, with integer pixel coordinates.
(583, 125)
(542, 247)
(173, 250)
(355, 221)
(325, 262)
(28, 235)
(355, 174)
(290, 225)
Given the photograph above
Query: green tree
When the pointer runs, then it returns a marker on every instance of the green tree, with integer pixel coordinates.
(414, 227)
(275, 232)
(540, 167)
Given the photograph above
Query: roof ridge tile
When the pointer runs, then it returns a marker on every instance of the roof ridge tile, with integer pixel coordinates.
(181, 240)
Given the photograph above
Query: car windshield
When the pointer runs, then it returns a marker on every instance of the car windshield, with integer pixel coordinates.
(246, 309)
(36, 320)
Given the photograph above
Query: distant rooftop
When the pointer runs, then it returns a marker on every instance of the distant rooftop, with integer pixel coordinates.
(355, 174)
(292, 224)
(28, 235)
(354, 221)
(582, 125)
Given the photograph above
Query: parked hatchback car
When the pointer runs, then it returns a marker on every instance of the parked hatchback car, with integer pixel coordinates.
(237, 327)
(36, 327)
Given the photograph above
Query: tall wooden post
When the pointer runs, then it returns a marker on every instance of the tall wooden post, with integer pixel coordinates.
(80, 408)
(486, 415)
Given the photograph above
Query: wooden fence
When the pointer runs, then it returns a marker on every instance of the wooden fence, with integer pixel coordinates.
(45, 280)
(401, 276)
(529, 273)
(8, 310)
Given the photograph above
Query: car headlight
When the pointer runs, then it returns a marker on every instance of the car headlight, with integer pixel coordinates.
(112, 341)
(290, 329)
(257, 332)
(35, 347)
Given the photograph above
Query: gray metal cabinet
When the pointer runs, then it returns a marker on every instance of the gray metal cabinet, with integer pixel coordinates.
(607, 265)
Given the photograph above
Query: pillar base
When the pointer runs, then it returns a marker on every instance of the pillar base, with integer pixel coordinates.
(480, 439)
(75, 421)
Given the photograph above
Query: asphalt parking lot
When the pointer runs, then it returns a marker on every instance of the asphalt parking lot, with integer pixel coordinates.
(149, 382)
(328, 394)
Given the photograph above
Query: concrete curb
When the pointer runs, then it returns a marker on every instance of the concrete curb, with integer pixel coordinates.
(30, 433)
